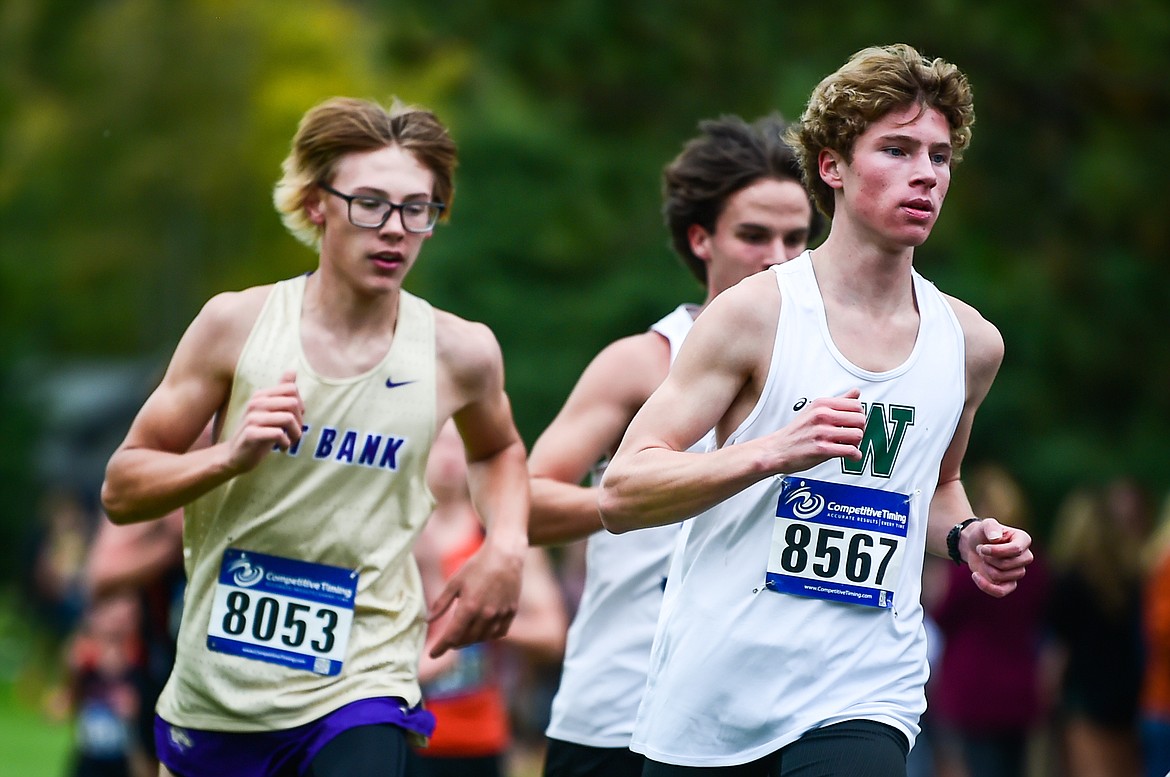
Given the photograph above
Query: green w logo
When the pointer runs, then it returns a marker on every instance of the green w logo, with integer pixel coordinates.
(881, 441)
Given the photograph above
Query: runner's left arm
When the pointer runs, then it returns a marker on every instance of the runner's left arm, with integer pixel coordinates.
(997, 555)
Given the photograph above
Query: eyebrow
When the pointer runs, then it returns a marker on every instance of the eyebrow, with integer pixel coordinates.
(754, 226)
(375, 192)
(894, 136)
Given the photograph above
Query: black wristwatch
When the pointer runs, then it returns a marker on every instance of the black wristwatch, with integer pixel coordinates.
(953, 539)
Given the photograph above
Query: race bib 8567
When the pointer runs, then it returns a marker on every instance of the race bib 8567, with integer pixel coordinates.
(838, 542)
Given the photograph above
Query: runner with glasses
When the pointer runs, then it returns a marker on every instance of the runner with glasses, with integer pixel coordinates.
(304, 615)
(371, 212)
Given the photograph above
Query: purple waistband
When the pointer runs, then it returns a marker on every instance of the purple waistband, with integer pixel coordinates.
(187, 751)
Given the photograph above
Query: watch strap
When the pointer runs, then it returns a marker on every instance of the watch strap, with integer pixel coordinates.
(953, 539)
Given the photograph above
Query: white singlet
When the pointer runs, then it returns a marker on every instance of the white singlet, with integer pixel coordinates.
(608, 648)
(795, 603)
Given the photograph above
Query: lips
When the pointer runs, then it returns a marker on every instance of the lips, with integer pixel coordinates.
(387, 259)
(919, 208)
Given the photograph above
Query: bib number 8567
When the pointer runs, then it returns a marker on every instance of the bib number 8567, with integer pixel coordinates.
(833, 555)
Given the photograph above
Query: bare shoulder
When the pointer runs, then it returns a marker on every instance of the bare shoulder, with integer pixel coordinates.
(225, 321)
(740, 323)
(199, 377)
(470, 385)
(469, 361)
(464, 347)
(984, 343)
(629, 369)
(753, 302)
(235, 309)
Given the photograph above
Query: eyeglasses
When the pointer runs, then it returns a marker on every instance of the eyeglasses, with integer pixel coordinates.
(370, 212)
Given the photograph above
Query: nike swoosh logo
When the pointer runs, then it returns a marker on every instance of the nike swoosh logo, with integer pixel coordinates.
(391, 384)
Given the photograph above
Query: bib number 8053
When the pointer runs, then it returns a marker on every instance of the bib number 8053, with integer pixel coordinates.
(265, 617)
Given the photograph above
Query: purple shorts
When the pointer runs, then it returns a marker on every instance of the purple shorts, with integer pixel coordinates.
(188, 751)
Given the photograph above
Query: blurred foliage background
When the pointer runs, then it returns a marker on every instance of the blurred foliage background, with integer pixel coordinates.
(139, 141)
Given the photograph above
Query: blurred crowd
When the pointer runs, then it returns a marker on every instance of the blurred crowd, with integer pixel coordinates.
(1069, 676)
(108, 598)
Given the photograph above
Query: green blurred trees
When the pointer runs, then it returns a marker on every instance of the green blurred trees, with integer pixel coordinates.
(1055, 227)
(139, 140)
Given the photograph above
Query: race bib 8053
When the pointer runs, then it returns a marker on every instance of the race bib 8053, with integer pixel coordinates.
(838, 542)
(281, 610)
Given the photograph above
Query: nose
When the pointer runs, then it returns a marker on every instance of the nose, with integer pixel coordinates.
(393, 224)
(780, 251)
(924, 170)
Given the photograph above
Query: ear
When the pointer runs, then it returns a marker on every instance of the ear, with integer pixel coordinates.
(829, 164)
(700, 241)
(315, 209)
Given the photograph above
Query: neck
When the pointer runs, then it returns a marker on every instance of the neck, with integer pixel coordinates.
(342, 309)
(861, 272)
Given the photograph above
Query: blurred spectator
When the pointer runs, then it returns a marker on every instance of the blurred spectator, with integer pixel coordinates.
(1155, 703)
(465, 688)
(144, 561)
(1129, 506)
(986, 700)
(58, 561)
(105, 690)
(1095, 616)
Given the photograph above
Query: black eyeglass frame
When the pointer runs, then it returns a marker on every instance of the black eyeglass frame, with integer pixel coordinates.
(392, 206)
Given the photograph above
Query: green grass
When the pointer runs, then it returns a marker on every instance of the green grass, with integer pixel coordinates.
(32, 743)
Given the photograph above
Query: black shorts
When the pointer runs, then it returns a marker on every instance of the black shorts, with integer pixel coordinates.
(378, 750)
(423, 765)
(568, 759)
(854, 748)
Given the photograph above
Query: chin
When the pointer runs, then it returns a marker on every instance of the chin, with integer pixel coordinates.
(917, 236)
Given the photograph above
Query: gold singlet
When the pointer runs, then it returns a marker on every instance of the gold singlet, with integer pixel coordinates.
(303, 595)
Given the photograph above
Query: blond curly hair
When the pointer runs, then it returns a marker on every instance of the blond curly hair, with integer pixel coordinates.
(874, 82)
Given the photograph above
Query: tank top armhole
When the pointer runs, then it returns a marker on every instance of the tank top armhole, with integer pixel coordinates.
(277, 295)
(770, 380)
(947, 312)
(422, 314)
